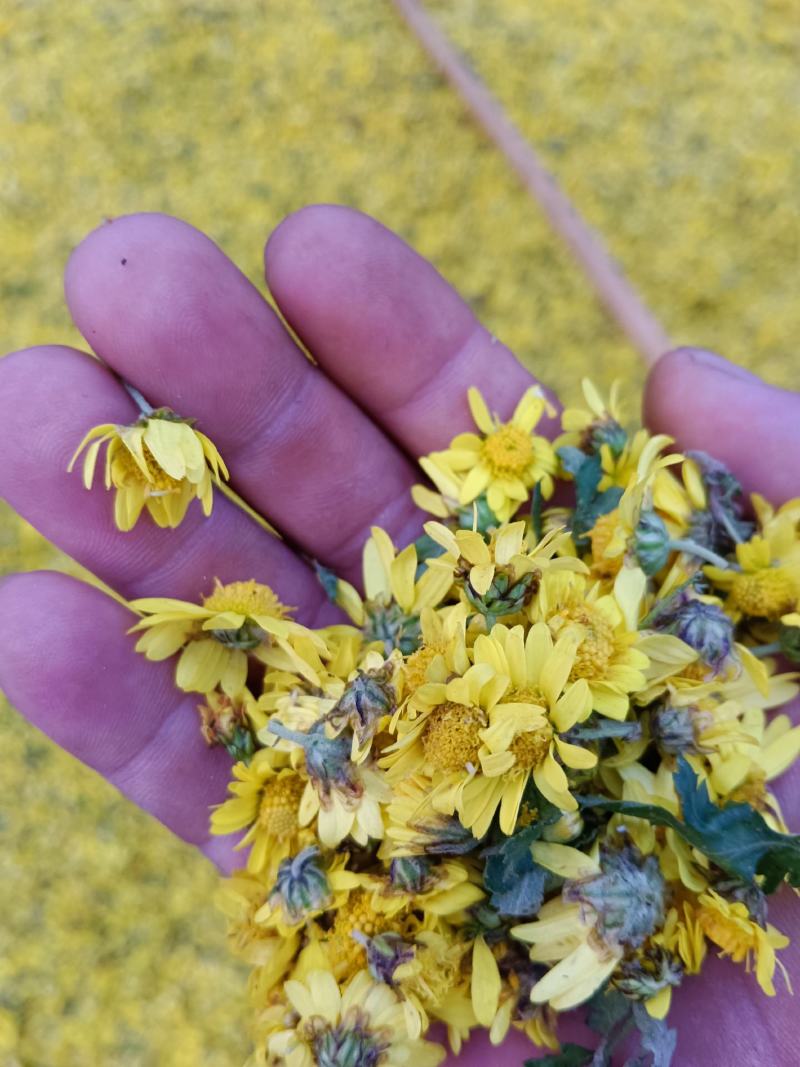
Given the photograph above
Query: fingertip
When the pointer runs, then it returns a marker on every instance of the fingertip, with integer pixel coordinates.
(709, 404)
(683, 381)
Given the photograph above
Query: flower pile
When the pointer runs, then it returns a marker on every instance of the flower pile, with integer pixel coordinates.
(530, 768)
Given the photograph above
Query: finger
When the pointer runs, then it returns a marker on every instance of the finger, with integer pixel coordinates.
(707, 403)
(387, 327)
(162, 305)
(49, 397)
(68, 664)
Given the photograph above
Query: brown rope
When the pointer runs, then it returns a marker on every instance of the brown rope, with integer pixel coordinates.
(620, 298)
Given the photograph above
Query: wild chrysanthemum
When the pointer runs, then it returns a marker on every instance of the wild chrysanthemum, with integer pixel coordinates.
(363, 1023)
(607, 656)
(765, 584)
(730, 927)
(215, 638)
(522, 740)
(498, 577)
(265, 801)
(161, 463)
(505, 461)
(395, 594)
(608, 907)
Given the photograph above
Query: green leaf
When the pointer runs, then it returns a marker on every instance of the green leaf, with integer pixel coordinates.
(606, 1010)
(590, 504)
(657, 1040)
(569, 1056)
(516, 882)
(735, 838)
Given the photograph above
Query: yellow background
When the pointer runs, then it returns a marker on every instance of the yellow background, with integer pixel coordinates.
(674, 127)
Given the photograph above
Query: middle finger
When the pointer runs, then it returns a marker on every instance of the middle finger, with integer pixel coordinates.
(163, 306)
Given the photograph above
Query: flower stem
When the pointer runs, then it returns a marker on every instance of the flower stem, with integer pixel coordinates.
(771, 649)
(691, 548)
(143, 406)
(234, 497)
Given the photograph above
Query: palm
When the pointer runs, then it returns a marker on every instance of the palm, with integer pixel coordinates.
(323, 452)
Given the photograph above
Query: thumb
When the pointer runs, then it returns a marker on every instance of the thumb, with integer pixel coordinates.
(707, 403)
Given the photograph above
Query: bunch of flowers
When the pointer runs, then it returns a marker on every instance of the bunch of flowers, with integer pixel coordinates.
(530, 768)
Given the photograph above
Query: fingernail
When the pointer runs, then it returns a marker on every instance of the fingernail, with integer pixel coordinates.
(705, 358)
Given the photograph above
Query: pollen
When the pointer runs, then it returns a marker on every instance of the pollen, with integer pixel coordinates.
(416, 666)
(600, 535)
(531, 748)
(451, 738)
(280, 800)
(129, 473)
(765, 594)
(508, 452)
(598, 646)
(245, 598)
(355, 915)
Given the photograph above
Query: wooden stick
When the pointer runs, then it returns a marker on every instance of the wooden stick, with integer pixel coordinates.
(618, 295)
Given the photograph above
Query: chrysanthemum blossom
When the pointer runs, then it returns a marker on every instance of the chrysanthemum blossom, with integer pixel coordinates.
(160, 463)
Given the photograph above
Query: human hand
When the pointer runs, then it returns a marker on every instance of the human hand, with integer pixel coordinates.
(396, 349)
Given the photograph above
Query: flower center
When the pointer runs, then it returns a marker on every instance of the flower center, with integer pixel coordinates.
(507, 452)
(531, 748)
(417, 665)
(766, 594)
(600, 535)
(280, 799)
(245, 598)
(128, 472)
(451, 737)
(356, 914)
(597, 647)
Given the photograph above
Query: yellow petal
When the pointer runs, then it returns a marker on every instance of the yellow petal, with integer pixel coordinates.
(480, 412)
(485, 983)
(564, 860)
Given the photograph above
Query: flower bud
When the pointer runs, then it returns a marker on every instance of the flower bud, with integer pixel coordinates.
(410, 873)
(385, 953)
(301, 886)
(647, 973)
(564, 829)
(651, 542)
(673, 730)
(627, 895)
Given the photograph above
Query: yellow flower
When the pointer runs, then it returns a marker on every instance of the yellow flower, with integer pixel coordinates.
(522, 738)
(161, 462)
(239, 898)
(729, 926)
(365, 1019)
(395, 597)
(505, 461)
(607, 656)
(582, 963)
(265, 799)
(481, 736)
(588, 931)
(216, 637)
(499, 576)
(766, 584)
(587, 428)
